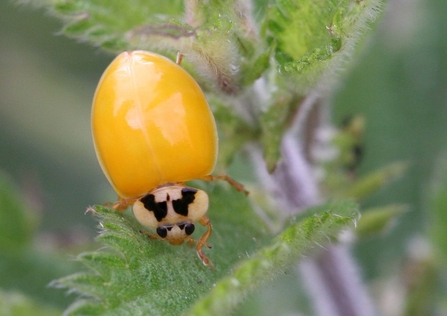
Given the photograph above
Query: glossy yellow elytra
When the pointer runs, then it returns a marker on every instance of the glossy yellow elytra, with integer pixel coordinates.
(153, 130)
(151, 124)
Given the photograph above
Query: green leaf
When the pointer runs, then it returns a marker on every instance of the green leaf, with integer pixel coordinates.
(253, 67)
(378, 220)
(113, 24)
(204, 32)
(349, 142)
(313, 37)
(288, 247)
(135, 274)
(341, 179)
(373, 181)
(306, 38)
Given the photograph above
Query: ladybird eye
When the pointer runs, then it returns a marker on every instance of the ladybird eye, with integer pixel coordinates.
(162, 231)
(189, 228)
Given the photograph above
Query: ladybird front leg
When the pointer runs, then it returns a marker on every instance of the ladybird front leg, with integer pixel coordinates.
(238, 186)
(123, 204)
(191, 242)
(205, 221)
(150, 235)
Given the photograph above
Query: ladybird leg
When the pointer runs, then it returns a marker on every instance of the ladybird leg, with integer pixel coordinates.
(205, 221)
(190, 241)
(238, 186)
(150, 235)
(108, 204)
(179, 58)
(122, 204)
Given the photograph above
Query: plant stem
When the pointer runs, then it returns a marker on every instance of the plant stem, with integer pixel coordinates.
(333, 278)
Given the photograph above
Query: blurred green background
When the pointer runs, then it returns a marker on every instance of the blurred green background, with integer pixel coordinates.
(398, 83)
(47, 83)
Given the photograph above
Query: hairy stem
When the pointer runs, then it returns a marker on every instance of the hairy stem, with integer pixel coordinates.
(333, 278)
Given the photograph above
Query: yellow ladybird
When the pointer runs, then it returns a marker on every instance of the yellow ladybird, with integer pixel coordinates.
(153, 130)
(151, 124)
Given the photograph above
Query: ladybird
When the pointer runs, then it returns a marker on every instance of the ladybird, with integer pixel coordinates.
(153, 130)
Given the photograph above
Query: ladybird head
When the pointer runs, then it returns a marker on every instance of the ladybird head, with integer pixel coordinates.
(172, 211)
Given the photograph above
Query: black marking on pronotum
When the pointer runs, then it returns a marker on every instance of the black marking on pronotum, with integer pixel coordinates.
(160, 209)
(181, 205)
